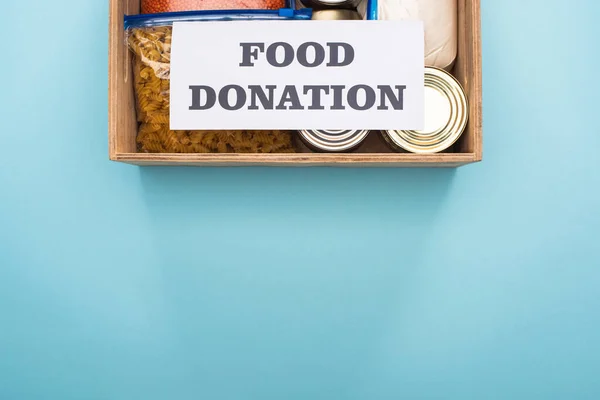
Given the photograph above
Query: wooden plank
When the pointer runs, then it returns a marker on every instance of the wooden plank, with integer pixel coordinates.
(292, 165)
(300, 159)
(122, 122)
(468, 71)
(476, 89)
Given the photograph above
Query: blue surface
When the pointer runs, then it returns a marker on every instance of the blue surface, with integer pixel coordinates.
(125, 283)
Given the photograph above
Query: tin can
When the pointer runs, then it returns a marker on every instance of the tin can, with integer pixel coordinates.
(336, 14)
(327, 4)
(333, 141)
(446, 116)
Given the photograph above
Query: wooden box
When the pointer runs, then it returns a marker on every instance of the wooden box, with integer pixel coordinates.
(373, 153)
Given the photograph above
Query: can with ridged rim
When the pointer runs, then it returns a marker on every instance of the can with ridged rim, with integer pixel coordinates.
(446, 116)
(323, 4)
(335, 14)
(332, 140)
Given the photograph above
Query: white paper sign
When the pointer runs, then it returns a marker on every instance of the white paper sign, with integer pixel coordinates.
(297, 75)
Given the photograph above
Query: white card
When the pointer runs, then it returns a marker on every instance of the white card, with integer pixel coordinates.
(297, 75)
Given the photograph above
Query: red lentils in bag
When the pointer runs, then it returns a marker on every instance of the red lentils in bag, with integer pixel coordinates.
(161, 6)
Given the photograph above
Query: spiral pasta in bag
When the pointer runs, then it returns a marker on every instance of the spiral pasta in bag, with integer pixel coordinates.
(149, 39)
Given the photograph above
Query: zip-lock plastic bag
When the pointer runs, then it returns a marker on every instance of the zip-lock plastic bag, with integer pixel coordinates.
(163, 6)
(149, 38)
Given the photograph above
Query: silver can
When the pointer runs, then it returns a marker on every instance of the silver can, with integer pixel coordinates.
(446, 116)
(323, 4)
(333, 141)
(335, 14)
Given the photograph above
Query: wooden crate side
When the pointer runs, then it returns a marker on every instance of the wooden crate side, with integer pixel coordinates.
(121, 104)
(468, 71)
(300, 160)
(477, 92)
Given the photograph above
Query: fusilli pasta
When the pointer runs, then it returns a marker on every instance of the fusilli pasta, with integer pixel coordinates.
(151, 70)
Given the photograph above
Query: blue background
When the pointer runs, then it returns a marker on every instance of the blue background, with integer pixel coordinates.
(121, 283)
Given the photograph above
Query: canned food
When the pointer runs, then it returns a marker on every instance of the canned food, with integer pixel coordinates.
(333, 141)
(446, 115)
(321, 4)
(336, 14)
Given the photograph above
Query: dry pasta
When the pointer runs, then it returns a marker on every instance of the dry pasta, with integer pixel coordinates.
(151, 68)
(157, 138)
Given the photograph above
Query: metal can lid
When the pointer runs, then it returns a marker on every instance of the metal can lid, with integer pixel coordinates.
(331, 140)
(320, 4)
(446, 115)
(336, 14)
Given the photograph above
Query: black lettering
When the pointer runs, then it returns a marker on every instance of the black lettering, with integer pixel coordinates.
(211, 97)
(290, 95)
(316, 95)
(337, 97)
(248, 54)
(319, 54)
(334, 54)
(353, 97)
(288, 54)
(387, 92)
(224, 97)
(257, 92)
